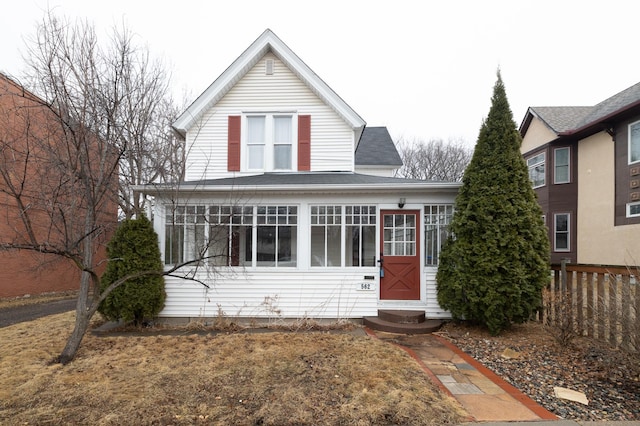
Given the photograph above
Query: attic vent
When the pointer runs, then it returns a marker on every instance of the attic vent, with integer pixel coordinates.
(268, 67)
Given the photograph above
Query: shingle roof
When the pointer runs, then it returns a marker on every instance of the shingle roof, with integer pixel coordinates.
(613, 104)
(304, 179)
(562, 119)
(376, 148)
(568, 120)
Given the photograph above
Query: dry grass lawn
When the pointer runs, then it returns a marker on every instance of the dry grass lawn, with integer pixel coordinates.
(248, 379)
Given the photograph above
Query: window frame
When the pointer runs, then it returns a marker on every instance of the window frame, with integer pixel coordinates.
(630, 147)
(556, 232)
(440, 227)
(629, 206)
(176, 252)
(555, 165)
(532, 166)
(352, 218)
(270, 144)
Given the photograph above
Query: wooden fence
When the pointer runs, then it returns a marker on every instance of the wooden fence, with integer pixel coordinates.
(596, 301)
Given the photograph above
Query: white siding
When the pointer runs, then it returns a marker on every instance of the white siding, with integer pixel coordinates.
(272, 294)
(332, 140)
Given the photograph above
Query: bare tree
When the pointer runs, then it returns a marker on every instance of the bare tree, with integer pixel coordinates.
(95, 111)
(434, 160)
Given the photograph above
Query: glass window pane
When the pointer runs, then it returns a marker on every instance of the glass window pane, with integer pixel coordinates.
(287, 245)
(333, 246)
(282, 129)
(634, 143)
(266, 246)
(256, 156)
(317, 246)
(369, 246)
(282, 157)
(255, 129)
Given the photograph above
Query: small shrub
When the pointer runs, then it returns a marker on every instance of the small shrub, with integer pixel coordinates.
(558, 320)
(133, 248)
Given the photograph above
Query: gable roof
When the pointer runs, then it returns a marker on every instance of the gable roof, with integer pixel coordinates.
(267, 41)
(572, 120)
(376, 148)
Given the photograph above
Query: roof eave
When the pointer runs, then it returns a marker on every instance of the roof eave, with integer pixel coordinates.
(198, 188)
(596, 125)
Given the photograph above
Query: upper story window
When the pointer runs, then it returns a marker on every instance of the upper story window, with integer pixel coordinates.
(561, 165)
(561, 231)
(270, 142)
(633, 209)
(634, 142)
(537, 170)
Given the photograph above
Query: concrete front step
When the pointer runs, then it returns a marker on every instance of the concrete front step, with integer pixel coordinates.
(401, 317)
(425, 327)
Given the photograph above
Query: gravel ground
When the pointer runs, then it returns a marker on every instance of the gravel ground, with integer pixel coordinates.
(609, 378)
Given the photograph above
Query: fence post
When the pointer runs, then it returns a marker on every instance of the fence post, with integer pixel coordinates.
(563, 274)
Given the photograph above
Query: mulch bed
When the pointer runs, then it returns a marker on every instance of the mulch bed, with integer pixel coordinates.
(609, 378)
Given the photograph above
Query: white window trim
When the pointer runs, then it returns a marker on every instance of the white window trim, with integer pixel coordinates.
(555, 224)
(629, 143)
(544, 161)
(555, 175)
(268, 165)
(629, 205)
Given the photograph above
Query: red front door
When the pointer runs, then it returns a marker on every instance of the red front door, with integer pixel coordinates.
(400, 249)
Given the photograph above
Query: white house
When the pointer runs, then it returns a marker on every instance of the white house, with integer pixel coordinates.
(291, 199)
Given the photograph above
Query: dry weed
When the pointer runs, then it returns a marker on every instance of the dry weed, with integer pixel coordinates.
(267, 378)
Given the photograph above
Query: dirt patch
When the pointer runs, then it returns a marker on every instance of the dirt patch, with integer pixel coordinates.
(226, 378)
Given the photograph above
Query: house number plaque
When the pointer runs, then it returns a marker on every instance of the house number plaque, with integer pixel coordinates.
(366, 286)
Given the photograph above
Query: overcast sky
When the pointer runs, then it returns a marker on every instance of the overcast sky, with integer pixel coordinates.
(425, 69)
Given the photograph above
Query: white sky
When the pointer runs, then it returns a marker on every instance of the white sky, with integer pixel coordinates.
(425, 69)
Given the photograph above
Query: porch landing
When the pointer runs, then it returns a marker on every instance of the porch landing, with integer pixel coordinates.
(402, 322)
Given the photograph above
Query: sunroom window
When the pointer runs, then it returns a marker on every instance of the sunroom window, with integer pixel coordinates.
(437, 218)
(232, 235)
(343, 233)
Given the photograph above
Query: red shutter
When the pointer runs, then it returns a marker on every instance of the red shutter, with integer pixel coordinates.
(233, 149)
(304, 143)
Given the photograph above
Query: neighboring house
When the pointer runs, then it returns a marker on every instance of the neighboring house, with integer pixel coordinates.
(584, 163)
(24, 272)
(291, 199)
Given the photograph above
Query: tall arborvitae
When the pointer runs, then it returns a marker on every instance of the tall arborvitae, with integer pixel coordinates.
(495, 263)
(133, 249)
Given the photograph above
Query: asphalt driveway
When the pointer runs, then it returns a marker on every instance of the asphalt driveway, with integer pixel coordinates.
(10, 316)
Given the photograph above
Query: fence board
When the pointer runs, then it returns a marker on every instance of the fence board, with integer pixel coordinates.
(590, 319)
(600, 306)
(625, 307)
(580, 277)
(603, 302)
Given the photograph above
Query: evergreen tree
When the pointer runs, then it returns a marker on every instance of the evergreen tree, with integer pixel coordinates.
(133, 248)
(495, 263)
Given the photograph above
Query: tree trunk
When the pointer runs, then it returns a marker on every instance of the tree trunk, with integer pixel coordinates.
(83, 317)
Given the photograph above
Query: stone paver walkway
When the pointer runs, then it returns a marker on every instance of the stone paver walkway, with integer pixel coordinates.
(484, 395)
